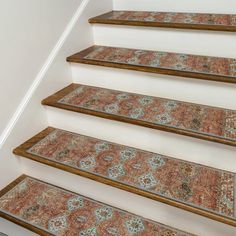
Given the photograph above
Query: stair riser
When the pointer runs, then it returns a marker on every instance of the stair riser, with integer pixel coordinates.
(170, 40)
(190, 149)
(11, 229)
(219, 6)
(141, 206)
(179, 88)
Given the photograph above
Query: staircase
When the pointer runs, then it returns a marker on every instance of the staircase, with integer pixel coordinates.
(120, 124)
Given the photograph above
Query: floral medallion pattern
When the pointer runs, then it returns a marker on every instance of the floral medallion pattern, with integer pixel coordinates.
(217, 66)
(46, 207)
(173, 17)
(195, 185)
(210, 121)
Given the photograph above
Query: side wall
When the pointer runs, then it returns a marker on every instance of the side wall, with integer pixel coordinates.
(29, 30)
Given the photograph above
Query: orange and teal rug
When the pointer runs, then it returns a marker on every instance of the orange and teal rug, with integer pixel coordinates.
(192, 185)
(187, 117)
(62, 213)
(172, 17)
(217, 66)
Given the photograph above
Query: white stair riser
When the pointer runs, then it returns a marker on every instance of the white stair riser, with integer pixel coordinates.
(11, 229)
(183, 89)
(197, 42)
(219, 6)
(199, 151)
(130, 202)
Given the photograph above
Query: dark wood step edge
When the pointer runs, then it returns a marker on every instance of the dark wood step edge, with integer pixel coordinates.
(52, 101)
(101, 20)
(16, 220)
(79, 58)
(22, 151)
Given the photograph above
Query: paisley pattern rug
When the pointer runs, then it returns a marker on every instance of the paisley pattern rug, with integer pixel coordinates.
(194, 185)
(173, 17)
(209, 121)
(63, 213)
(217, 66)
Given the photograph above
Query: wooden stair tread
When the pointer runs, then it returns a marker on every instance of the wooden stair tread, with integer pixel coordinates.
(49, 210)
(196, 188)
(193, 66)
(197, 21)
(199, 121)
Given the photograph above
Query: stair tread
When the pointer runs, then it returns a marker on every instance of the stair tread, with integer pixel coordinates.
(199, 121)
(196, 188)
(73, 215)
(176, 64)
(198, 21)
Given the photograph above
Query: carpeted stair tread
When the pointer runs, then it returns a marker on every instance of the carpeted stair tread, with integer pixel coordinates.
(200, 189)
(176, 64)
(49, 210)
(199, 121)
(196, 21)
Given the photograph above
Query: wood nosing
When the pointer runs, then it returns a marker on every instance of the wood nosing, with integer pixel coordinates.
(22, 151)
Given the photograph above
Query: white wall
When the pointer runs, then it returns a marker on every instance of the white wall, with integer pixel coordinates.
(29, 30)
(216, 6)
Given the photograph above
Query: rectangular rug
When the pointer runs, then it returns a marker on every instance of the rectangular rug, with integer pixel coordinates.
(228, 20)
(210, 123)
(177, 182)
(59, 212)
(190, 65)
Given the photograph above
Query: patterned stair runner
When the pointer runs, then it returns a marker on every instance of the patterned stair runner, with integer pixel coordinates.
(204, 122)
(199, 21)
(186, 65)
(200, 189)
(50, 210)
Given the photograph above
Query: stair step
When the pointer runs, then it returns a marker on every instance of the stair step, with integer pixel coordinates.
(49, 210)
(196, 21)
(199, 121)
(196, 188)
(176, 64)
